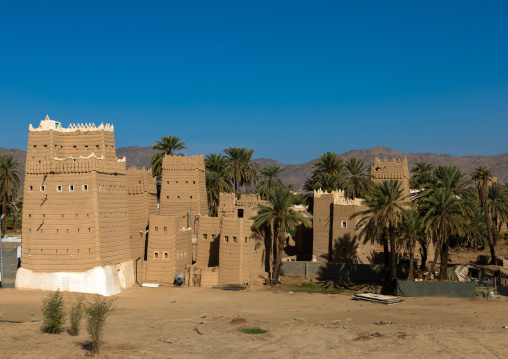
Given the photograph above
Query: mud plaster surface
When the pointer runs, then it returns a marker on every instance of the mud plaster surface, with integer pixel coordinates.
(148, 324)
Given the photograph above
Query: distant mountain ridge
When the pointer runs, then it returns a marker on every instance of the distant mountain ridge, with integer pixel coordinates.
(297, 174)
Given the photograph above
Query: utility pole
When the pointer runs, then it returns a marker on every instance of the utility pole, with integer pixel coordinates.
(1, 252)
(142, 258)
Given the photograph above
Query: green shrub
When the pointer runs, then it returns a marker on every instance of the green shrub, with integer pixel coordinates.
(254, 330)
(96, 314)
(53, 312)
(76, 313)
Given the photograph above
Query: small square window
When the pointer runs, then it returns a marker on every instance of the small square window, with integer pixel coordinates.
(226, 239)
(246, 240)
(43, 188)
(45, 147)
(167, 197)
(343, 224)
(213, 236)
(190, 197)
(205, 236)
(156, 229)
(166, 255)
(75, 147)
(156, 255)
(71, 188)
(193, 182)
(31, 188)
(85, 187)
(186, 182)
(234, 239)
(97, 147)
(165, 229)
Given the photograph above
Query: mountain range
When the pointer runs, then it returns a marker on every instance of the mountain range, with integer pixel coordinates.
(297, 174)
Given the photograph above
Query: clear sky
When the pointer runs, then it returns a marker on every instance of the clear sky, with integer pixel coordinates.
(290, 79)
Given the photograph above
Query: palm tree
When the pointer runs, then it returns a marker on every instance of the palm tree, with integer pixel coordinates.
(275, 218)
(269, 180)
(411, 231)
(385, 208)
(251, 170)
(482, 177)
(498, 204)
(216, 180)
(168, 145)
(234, 165)
(328, 173)
(9, 183)
(445, 216)
(422, 174)
(239, 167)
(358, 182)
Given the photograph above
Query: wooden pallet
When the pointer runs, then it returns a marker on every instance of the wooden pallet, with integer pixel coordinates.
(378, 298)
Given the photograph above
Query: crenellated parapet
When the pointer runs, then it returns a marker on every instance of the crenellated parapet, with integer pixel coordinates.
(49, 125)
(338, 197)
(183, 163)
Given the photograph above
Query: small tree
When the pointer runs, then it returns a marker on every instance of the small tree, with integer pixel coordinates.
(76, 313)
(53, 312)
(96, 313)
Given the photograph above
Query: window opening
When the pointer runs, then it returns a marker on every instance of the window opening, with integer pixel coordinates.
(156, 255)
(343, 224)
(85, 187)
(166, 256)
(240, 213)
(226, 239)
(71, 188)
(234, 239)
(205, 236)
(43, 188)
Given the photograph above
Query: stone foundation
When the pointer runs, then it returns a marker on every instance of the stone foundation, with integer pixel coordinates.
(107, 281)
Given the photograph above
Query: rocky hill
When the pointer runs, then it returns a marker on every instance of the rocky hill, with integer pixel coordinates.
(297, 174)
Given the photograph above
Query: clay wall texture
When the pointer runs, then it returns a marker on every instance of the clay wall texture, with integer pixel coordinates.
(238, 262)
(397, 170)
(141, 203)
(208, 237)
(169, 249)
(183, 185)
(75, 199)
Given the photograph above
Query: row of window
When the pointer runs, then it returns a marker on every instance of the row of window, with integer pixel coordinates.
(226, 238)
(62, 251)
(44, 215)
(186, 182)
(165, 255)
(167, 197)
(59, 188)
(86, 147)
(41, 230)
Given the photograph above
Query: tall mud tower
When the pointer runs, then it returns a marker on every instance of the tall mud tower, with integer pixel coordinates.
(396, 170)
(183, 188)
(75, 217)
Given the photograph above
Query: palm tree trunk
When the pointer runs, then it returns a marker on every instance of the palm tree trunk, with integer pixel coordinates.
(492, 242)
(15, 221)
(393, 254)
(386, 259)
(4, 212)
(424, 252)
(410, 275)
(279, 239)
(437, 254)
(443, 271)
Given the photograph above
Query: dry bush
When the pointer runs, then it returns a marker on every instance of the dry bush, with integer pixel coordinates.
(76, 313)
(53, 312)
(96, 314)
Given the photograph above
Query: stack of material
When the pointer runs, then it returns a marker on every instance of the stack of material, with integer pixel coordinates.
(378, 298)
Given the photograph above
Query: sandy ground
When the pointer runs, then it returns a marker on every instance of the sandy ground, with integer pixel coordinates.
(205, 323)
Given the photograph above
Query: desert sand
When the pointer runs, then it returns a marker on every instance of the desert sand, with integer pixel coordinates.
(169, 322)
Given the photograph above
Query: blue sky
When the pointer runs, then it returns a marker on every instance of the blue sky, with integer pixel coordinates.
(290, 79)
